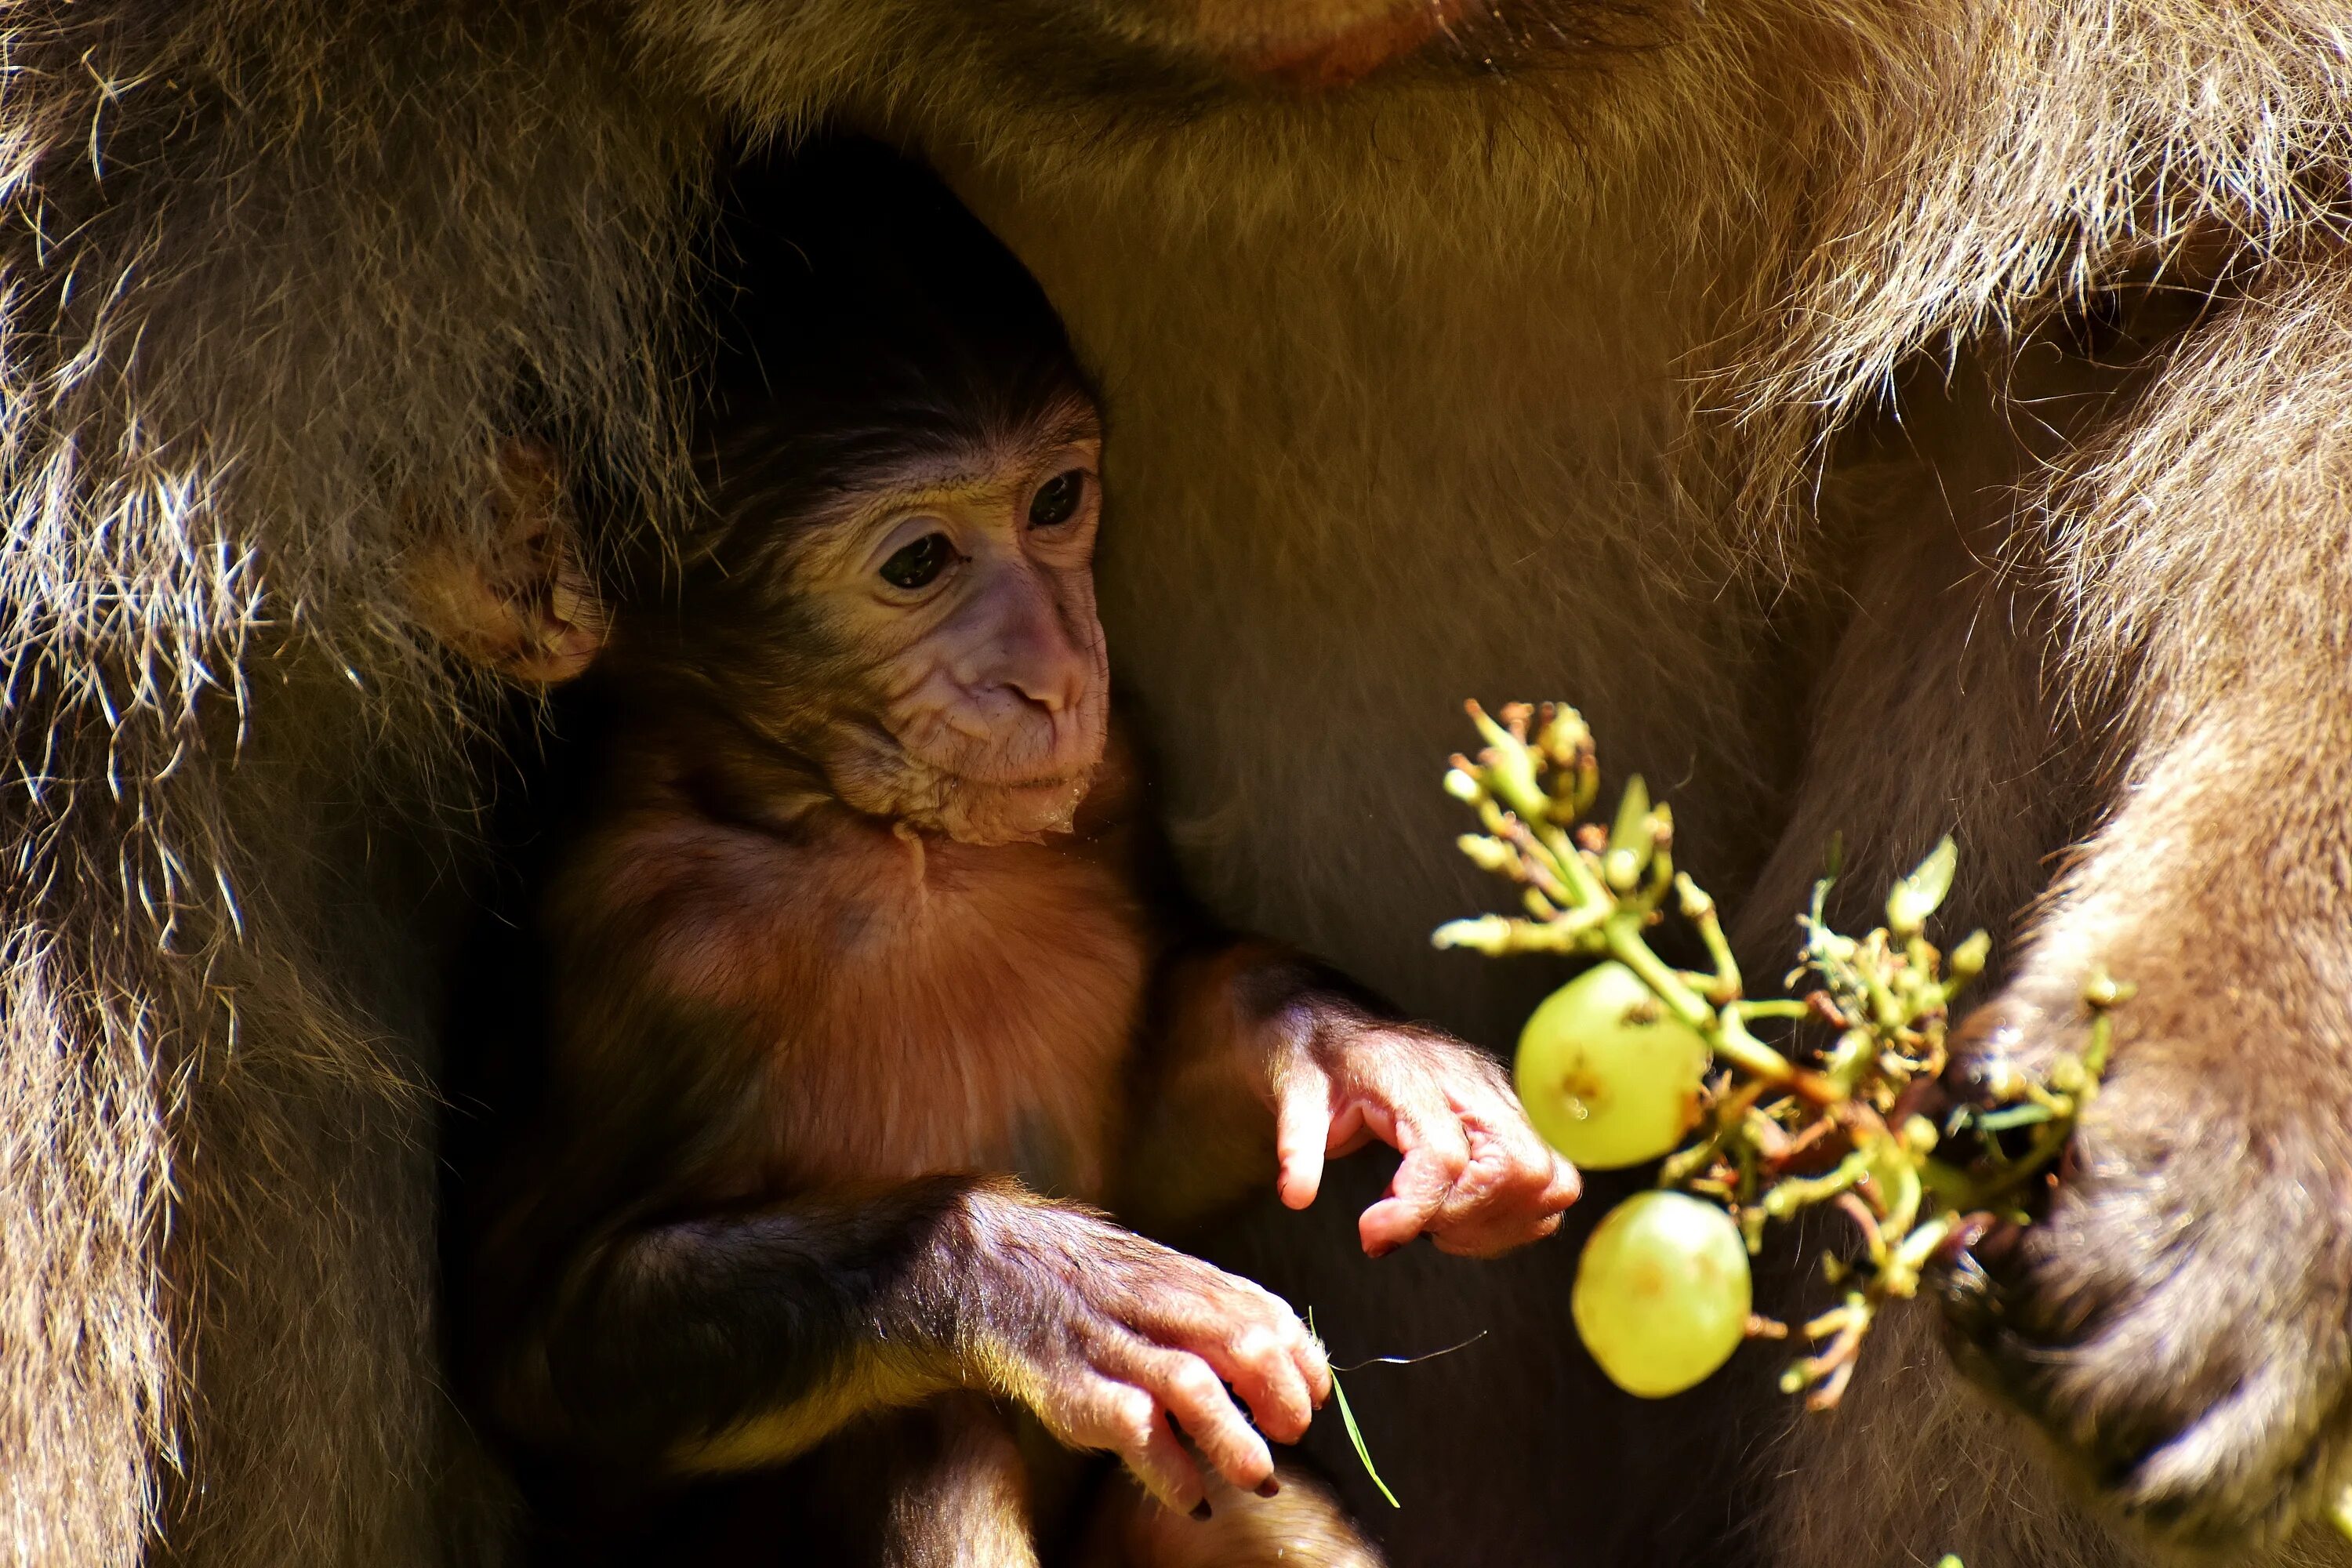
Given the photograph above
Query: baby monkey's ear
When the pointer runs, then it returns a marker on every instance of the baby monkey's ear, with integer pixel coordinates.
(513, 597)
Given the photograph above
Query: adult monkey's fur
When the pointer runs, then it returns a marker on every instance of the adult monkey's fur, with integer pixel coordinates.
(1572, 376)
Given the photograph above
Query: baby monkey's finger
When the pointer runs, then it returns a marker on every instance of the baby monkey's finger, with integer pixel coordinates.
(1435, 1154)
(1302, 1133)
(1264, 1369)
(1157, 1456)
(1196, 1398)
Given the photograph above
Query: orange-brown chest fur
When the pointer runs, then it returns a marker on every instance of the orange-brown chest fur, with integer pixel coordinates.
(961, 1008)
(890, 1005)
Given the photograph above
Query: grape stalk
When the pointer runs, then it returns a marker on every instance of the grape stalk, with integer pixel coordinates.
(1635, 1059)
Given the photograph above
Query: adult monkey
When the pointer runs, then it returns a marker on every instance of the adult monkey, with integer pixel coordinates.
(1437, 373)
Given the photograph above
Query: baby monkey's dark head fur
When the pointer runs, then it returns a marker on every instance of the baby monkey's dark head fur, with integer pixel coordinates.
(894, 584)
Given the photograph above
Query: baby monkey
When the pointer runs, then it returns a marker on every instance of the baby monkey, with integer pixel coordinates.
(873, 1002)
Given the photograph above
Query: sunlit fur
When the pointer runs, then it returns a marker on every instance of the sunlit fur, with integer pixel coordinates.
(270, 268)
(1507, 384)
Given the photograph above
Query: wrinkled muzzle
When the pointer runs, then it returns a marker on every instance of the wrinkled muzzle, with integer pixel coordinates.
(1013, 772)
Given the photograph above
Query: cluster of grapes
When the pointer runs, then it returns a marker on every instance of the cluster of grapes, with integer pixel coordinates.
(1631, 1058)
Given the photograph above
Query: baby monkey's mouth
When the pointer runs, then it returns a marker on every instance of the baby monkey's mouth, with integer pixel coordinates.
(1056, 765)
(991, 795)
(974, 811)
(1031, 751)
(1010, 791)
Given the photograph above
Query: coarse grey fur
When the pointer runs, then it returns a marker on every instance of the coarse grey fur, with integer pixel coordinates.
(276, 277)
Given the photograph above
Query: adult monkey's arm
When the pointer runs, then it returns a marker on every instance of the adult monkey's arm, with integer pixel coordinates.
(2184, 1313)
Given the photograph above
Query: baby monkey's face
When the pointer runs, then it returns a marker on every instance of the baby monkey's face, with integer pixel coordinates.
(965, 581)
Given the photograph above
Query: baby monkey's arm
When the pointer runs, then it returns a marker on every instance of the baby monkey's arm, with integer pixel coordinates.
(1264, 1053)
(734, 1341)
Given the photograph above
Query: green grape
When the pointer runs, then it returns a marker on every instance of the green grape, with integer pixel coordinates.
(1662, 1292)
(1603, 1090)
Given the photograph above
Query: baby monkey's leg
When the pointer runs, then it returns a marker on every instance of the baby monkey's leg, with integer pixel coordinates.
(939, 1485)
(960, 1496)
(1302, 1526)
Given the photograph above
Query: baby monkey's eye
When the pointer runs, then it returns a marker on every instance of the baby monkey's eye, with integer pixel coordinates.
(915, 565)
(1056, 500)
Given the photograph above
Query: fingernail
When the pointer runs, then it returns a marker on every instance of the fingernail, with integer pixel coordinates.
(1269, 1487)
(1200, 1509)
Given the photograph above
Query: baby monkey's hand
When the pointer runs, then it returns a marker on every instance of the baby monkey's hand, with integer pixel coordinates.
(1116, 1343)
(1476, 1177)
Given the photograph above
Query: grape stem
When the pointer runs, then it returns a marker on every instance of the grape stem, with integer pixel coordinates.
(1778, 1135)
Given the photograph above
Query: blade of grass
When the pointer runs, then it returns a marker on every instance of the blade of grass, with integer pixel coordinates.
(1411, 1359)
(1354, 1433)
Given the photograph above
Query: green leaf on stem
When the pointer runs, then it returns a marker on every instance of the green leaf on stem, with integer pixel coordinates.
(1915, 898)
(1630, 840)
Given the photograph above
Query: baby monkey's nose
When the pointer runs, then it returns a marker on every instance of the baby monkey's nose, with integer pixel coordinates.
(1053, 684)
(1039, 663)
